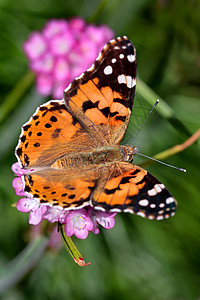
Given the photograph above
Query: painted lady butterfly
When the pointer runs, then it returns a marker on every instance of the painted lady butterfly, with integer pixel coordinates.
(71, 146)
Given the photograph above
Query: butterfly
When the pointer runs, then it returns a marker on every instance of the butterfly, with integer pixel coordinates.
(70, 148)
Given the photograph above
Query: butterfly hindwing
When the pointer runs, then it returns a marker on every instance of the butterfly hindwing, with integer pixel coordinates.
(130, 188)
(61, 188)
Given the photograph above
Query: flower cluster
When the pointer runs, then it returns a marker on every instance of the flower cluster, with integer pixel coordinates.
(62, 51)
(78, 222)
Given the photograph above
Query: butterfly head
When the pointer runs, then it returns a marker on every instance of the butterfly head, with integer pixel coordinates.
(128, 152)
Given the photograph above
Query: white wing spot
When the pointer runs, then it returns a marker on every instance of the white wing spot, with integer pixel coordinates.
(113, 60)
(128, 80)
(112, 41)
(108, 70)
(152, 192)
(153, 205)
(115, 210)
(121, 56)
(128, 210)
(160, 218)
(99, 208)
(143, 202)
(157, 188)
(169, 200)
(140, 213)
(161, 205)
(131, 57)
(121, 78)
(162, 186)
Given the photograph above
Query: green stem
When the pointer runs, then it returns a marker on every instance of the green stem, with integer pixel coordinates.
(174, 150)
(16, 269)
(163, 109)
(16, 94)
(71, 248)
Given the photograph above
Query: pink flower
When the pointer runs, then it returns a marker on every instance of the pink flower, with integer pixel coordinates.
(33, 206)
(55, 27)
(44, 83)
(77, 25)
(77, 222)
(44, 65)
(98, 34)
(63, 50)
(60, 45)
(18, 186)
(59, 88)
(89, 50)
(61, 69)
(35, 46)
(105, 219)
(17, 169)
(17, 181)
(54, 214)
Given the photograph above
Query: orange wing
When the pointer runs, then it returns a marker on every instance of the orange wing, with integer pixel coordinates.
(102, 97)
(129, 188)
(49, 134)
(66, 189)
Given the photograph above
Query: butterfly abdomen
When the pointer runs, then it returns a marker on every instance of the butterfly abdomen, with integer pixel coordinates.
(105, 155)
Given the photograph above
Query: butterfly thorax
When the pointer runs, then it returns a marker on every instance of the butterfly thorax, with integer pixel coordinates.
(105, 155)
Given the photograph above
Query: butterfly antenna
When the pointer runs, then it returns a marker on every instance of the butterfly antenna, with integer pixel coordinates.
(157, 101)
(161, 162)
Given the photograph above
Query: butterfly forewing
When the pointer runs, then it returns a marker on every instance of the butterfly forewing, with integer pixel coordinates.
(102, 97)
(51, 133)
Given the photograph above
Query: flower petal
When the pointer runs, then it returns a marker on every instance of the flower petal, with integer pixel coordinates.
(23, 204)
(81, 234)
(36, 215)
(35, 46)
(53, 214)
(69, 229)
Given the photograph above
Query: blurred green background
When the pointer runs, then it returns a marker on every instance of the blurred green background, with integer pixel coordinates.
(138, 258)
